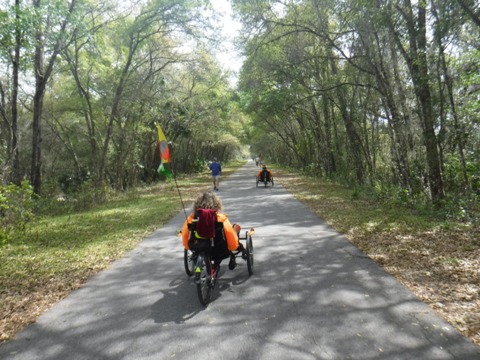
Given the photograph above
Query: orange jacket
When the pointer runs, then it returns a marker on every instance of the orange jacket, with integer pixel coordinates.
(259, 175)
(230, 234)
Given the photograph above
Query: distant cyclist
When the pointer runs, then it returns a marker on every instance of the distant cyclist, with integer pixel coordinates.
(265, 174)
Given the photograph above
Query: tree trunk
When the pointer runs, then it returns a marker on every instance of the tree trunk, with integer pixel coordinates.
(42, 74)
(39, 62)
(475, 17)
(320, 140)
(354, 146)
(16, 176)
(331, 166)
(422, 89)
(115, 107)
(84, 92)
(416, 58)
(449, 86)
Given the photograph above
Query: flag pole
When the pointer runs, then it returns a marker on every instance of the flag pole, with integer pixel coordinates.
(179, 194)
(164, 149)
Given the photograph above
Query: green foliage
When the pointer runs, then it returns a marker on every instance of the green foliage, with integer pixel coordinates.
(463, 208)
(387, 195)
(71, 184)
(120, 71)
(199, 165)
(346, 106)
(453, 173)
(85, 196)
(16, 209)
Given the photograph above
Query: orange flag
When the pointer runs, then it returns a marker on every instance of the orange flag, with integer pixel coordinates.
(162, 144)
(163, 151)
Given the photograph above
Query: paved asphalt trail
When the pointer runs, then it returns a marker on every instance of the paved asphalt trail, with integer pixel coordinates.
(313, 296)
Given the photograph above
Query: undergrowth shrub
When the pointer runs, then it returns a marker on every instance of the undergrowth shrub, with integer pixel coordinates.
(383, 193)
(464, 208)
(390, 195)
(85, 197)
(17, 204)
(459, 207)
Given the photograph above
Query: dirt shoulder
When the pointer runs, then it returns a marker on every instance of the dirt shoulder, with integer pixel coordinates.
(438, 261)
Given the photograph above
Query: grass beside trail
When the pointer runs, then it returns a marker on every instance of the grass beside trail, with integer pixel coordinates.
(57, 254)
(437, 260)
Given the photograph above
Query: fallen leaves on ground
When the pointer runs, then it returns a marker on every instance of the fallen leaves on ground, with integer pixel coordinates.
(439, 264)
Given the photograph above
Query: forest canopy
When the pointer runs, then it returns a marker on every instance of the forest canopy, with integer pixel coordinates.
(84, 84)
(383, 94)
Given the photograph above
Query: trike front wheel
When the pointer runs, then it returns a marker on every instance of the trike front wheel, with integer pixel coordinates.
(249, 250)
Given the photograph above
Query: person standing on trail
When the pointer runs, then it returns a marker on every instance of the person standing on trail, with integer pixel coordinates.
(216, 172)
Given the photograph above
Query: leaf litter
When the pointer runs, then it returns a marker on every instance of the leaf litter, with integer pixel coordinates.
(439, 264)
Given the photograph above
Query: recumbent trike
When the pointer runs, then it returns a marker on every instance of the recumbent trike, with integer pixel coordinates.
(205, 255)
(265, 177)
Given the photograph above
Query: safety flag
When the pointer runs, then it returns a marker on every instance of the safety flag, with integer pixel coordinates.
(163, 150)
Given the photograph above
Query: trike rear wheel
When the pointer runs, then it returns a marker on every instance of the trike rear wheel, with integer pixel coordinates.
(203, 278)
(189, 262)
